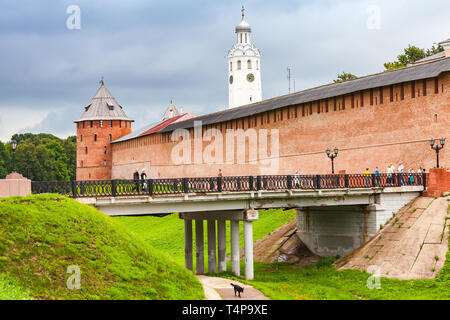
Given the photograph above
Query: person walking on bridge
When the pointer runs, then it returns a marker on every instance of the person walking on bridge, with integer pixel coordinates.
(136, 180)
(378, 177)
(367, 175)
(144, 179)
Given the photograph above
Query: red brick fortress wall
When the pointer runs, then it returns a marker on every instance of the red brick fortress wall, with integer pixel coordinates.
(91, 163)
(438, 182)
(375, 127)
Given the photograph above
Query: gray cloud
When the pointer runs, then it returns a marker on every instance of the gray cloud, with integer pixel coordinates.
(153, 51)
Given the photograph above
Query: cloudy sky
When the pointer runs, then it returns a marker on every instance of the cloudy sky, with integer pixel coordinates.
(152, 51)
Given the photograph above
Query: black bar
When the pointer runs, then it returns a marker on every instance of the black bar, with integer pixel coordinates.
(258, 183)
(219, 184)
(251, 183)
(346, 180)
(114, 188)
(289, 182)
(184, 183)
(74, 189)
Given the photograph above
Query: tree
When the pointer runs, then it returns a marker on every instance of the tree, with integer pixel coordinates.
(410, 55)
(344, 76)
(41, 157)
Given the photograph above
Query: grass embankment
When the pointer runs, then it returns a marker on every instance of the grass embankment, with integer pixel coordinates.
(167, 233)
(41, 236)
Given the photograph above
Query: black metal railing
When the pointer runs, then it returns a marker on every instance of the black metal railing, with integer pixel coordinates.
(117, 188)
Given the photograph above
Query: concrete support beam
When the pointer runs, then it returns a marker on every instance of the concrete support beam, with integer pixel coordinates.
(234, 237)
(199, 253)
(222, 244)
(188, 244)
(248, 249)
(212, 263)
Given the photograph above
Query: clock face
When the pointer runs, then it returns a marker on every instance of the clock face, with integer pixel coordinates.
(231, 79)
(250, 77)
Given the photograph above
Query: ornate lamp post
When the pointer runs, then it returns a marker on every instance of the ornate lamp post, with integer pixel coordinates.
(437, 148)
(14, 147)
(332, 156)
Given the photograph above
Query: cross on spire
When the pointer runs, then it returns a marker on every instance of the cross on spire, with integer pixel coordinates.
(101, 81)
(243, 10)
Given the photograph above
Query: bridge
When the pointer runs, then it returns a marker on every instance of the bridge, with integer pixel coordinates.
(335, 213)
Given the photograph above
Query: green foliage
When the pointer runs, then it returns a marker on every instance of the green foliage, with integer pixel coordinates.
(41, 157)
(412, 54)
(41, 236)
(9, 290)
(344, 76)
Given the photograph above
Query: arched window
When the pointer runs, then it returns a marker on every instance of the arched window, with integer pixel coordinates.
(246, 38)
(95, 137)
(239, 64)
(257, 65)
(249, 64)
(86, 150)
(241, 37)
(231, 66)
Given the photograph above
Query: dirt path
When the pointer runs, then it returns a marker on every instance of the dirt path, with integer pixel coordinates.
(221, 289)
(412, 245)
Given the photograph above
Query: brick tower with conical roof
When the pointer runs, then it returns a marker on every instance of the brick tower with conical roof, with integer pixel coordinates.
(102, 121)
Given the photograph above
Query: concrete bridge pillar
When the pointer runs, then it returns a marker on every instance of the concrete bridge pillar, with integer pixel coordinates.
(199, 253)
(212, 262)
(222, 244)
(219, 247)
(234, 238)
(188, 243)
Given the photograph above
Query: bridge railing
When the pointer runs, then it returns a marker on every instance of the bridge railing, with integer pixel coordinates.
(154, 187)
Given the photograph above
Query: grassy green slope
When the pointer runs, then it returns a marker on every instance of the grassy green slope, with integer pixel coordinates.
(167, 233)
(9, 290)
(41, 236)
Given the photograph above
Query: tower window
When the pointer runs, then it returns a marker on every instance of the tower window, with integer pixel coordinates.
(95, 137)
(241, 37)
(81, 138)
(249, 64)
(120, 123)
(246, 38)
(92, 123)
(104, 163)
(104, 150)
(86, 150)
(257, 65)
(110, 137)
(239, 65)
(111, 124)
(231, 66)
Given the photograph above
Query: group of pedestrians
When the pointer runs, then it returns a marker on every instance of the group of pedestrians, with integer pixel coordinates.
(403, 176)
(140, 178)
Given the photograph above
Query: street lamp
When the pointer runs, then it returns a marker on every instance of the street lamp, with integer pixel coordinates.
(14, 147)
(437, 148)
(332, 156)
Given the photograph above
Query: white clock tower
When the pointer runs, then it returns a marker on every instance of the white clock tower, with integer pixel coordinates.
(244, 74)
